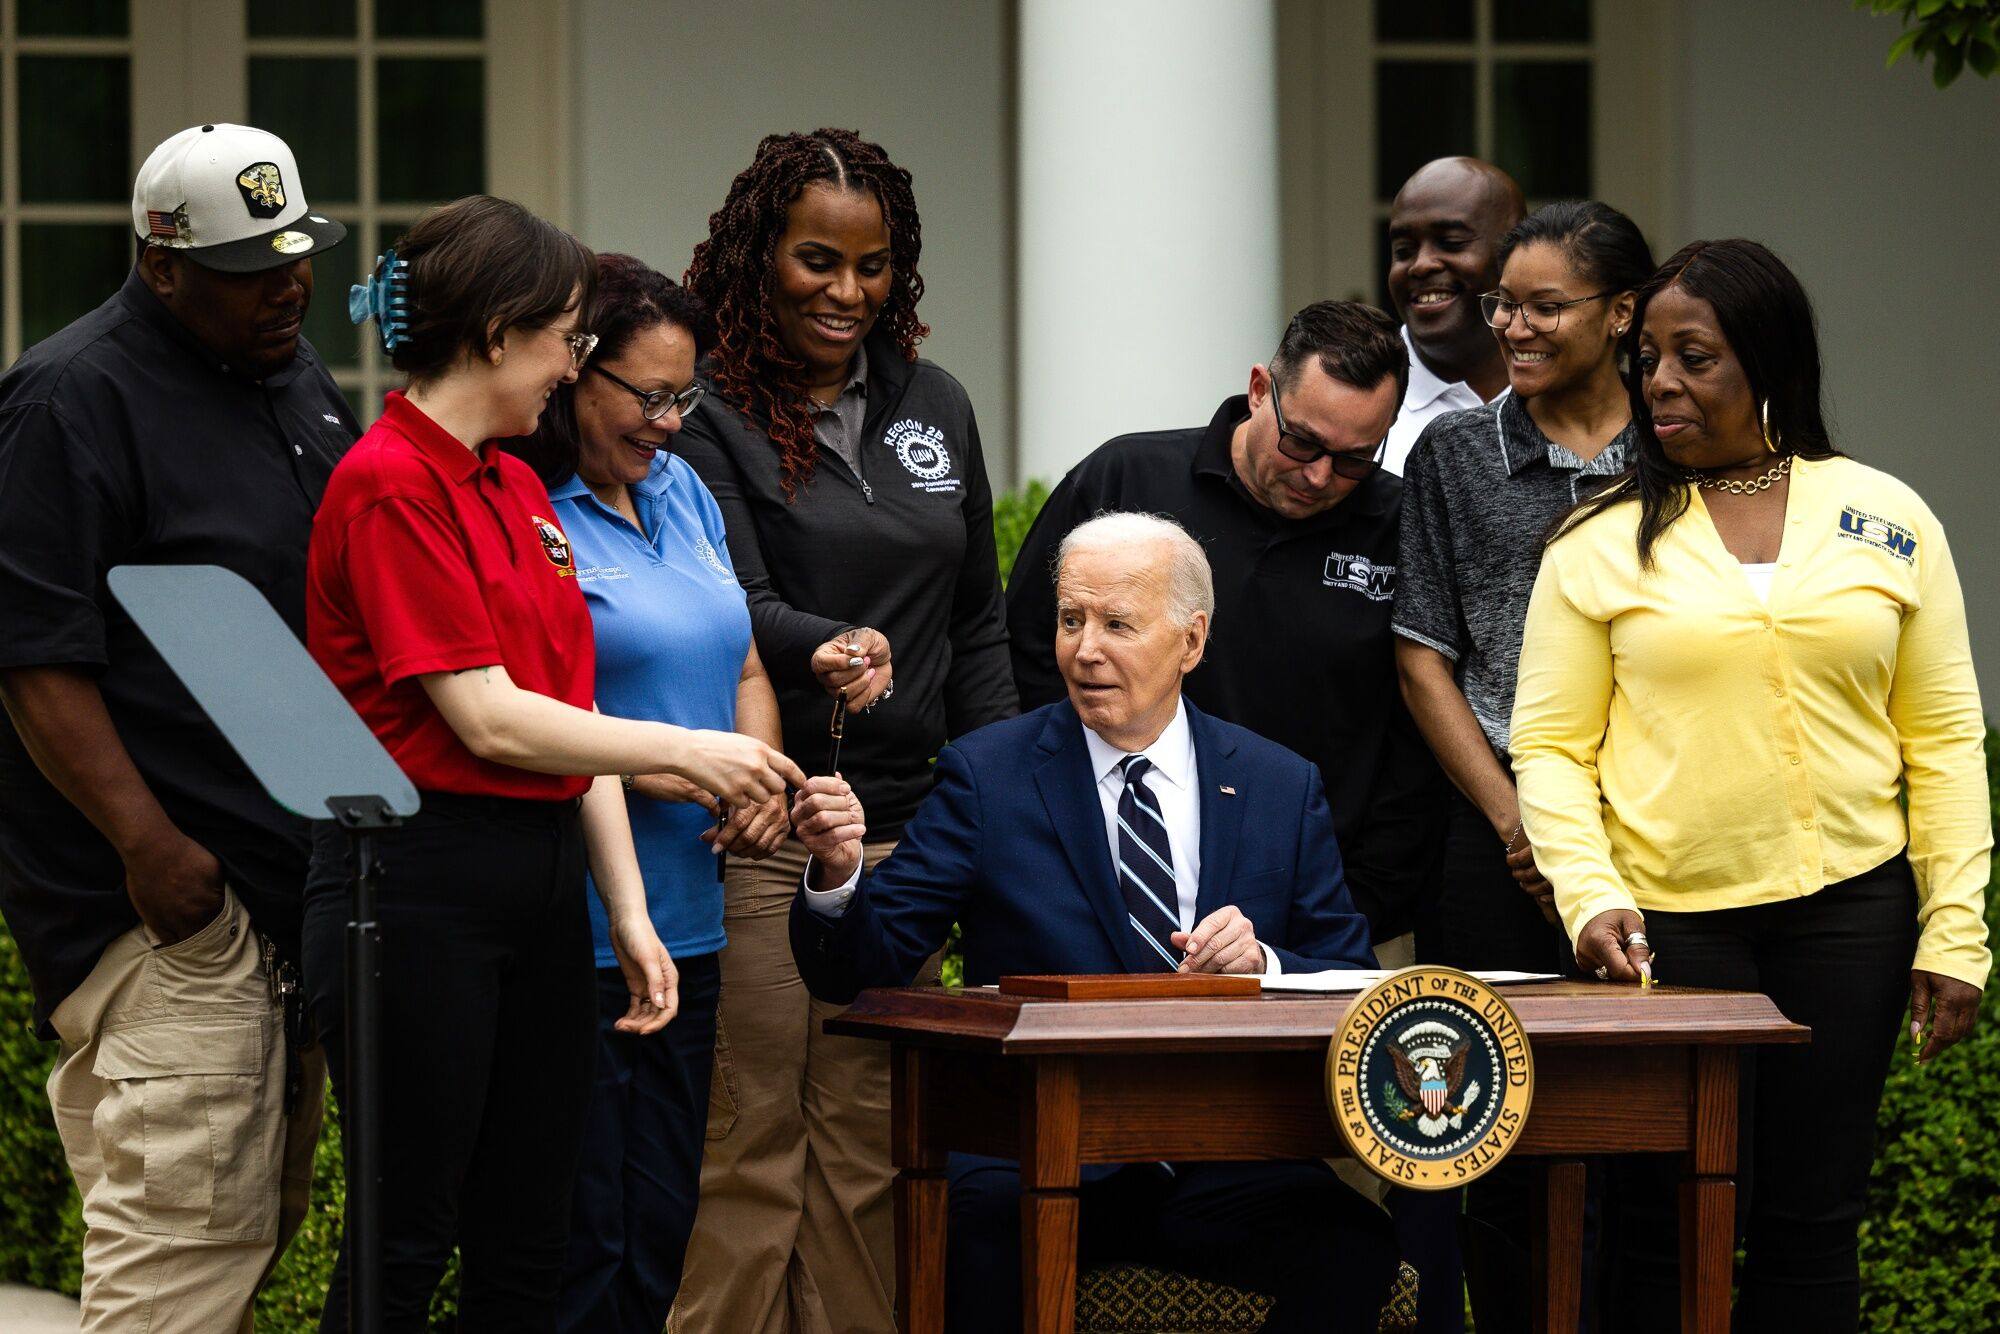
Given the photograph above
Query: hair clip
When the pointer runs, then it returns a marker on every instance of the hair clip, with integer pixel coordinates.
(385, 298)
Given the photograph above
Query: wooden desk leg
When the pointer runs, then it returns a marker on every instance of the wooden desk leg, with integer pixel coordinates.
(920, 1200)
(1558, 1247)
(1708, 1195)
(1051, 1127)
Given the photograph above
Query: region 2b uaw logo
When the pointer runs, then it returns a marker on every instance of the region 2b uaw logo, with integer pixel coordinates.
(1429, 1078)
(920, 449)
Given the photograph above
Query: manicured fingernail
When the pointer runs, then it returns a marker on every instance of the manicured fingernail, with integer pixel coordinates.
(857, 662)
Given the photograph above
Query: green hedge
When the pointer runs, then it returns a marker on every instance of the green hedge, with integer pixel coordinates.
(1930, 1247)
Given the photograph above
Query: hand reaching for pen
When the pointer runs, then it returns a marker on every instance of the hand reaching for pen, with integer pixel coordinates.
(828, 819)
(1606, 947)
(857, 662)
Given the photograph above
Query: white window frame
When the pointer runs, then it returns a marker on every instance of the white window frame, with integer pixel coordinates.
(1326, 94)
(14, 213)
(189, 66)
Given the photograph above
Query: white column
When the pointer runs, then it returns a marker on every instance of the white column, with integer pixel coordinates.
(1148, 217)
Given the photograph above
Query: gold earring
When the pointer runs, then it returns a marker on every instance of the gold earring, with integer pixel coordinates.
(1770, 442)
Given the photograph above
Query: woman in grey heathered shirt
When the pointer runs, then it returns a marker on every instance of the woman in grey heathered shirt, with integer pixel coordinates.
(1481, 489)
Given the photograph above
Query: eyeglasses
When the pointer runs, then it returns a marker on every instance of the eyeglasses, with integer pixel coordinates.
(1350, 463)
(581, 345)
(657, 403)
(1542, 316)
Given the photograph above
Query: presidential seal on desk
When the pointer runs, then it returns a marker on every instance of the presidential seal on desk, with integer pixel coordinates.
(1429, 1078)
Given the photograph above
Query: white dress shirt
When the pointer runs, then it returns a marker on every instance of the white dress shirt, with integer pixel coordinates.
(1172, 780)
(1427, 397)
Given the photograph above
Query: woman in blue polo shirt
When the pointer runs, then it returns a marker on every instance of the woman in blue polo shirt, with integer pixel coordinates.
(673, 645)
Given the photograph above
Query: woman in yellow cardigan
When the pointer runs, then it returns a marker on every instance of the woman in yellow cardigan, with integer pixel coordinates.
(1736, 663)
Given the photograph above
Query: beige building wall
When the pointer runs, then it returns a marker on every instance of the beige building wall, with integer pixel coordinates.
(672, 96)
(1881, 192)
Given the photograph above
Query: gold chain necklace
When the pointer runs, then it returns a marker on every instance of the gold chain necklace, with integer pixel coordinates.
(1749, 488)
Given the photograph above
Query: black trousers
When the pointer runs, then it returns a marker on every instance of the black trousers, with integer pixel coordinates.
(487, 1044)
(1292, 1231)
(1483, 922)
(1838, 961)
(639, 1177)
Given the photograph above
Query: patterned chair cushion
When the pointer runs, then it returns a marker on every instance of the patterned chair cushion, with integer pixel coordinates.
(1137, 1299)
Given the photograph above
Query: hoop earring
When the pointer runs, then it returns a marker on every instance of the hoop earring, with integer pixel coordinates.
(1771, 442)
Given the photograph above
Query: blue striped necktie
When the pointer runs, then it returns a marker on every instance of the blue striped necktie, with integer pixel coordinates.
(1146, 864)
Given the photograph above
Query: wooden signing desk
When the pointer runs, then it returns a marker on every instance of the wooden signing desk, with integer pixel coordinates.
(1060, 1083)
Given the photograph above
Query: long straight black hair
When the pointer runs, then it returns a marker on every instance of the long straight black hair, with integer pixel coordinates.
(1768, 321)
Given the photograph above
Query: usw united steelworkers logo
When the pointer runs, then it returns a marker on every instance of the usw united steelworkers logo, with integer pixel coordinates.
(555, 546)
(1860, 526)
(1429, 1078)
(1360, 575)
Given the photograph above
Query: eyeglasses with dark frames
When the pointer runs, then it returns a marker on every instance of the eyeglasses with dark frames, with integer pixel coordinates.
(1354, 464)
(1543, 317)
(657, 403)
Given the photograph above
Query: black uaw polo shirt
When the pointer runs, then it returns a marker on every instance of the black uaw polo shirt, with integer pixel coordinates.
(123, 441)
(1300, 652)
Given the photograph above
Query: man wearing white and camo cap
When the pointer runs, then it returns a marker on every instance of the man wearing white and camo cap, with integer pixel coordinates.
(151, 885)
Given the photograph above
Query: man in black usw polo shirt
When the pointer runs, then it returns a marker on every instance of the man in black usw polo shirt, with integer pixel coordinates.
(152, 887)
(1285, 490)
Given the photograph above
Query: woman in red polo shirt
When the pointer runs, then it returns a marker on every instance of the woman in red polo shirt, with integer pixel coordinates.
(442, 600)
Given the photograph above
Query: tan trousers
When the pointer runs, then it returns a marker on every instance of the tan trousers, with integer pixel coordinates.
(796, 1230)
(169, 1097)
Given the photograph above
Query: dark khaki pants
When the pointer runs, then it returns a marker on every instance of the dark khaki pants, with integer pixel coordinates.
(796, 1229)
(169, 1097)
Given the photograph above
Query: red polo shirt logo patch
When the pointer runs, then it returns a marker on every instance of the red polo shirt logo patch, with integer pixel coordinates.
(555, 546)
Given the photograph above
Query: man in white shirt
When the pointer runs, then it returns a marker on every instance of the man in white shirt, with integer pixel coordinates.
(1444, 235)
(1118, 830)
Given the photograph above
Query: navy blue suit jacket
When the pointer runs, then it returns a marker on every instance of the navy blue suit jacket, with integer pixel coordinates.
(1010, 843)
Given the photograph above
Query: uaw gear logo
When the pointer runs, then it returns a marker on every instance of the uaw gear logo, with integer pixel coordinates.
(263, 189)
(1429, 1078)
(920, 449)
(555, 546)
(1358, 574)
(705, 551)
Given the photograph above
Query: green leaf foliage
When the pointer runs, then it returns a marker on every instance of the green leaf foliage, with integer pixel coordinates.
(1955, 35)
(1930, 1263)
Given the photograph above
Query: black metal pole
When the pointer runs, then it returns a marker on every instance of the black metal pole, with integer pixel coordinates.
(363, 1110)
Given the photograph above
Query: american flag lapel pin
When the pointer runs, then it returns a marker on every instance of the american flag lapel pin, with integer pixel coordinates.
(1228, 791)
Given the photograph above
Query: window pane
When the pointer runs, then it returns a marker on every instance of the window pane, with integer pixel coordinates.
(67, 271)
(1541, 125)
(430, 128)
(1541, 20)
(327, 325)
(1423, 110)
(289, 18)
(76, 129)
(72, 18)
(312, 105)
(428, 18)
(1423, 20)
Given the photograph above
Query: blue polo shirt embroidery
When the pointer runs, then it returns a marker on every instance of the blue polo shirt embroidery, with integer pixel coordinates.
(672, 631)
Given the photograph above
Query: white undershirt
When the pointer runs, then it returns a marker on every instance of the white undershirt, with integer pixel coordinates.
(1759, 575)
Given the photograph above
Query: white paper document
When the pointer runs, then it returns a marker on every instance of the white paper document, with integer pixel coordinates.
(1360, 979)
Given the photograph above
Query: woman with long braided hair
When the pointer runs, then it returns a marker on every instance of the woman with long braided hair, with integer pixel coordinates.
(854, 492)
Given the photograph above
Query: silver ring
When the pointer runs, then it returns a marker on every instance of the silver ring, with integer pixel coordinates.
(1604, 972)
(1637, 938)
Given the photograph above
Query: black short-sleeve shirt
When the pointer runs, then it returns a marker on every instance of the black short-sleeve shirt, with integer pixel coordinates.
(122, 441)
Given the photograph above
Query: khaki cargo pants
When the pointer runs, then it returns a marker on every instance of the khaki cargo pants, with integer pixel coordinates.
(169, 1096)
(795, 1233)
